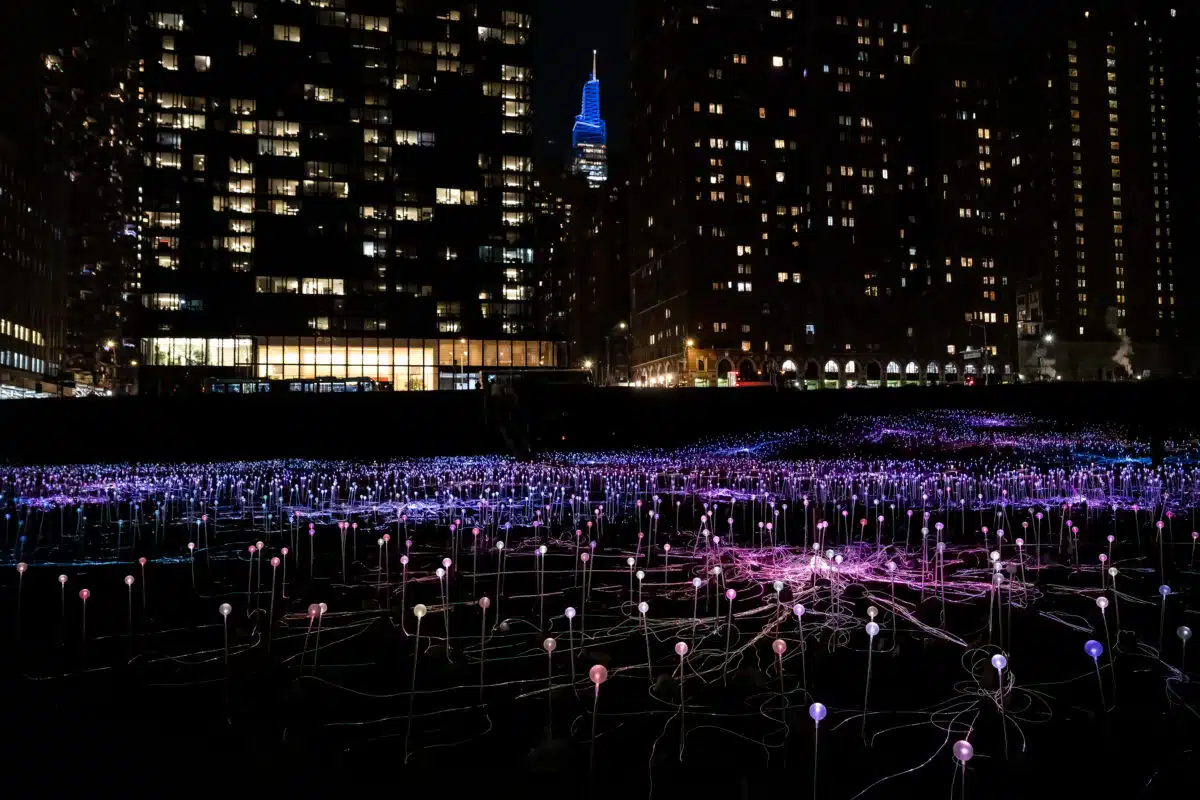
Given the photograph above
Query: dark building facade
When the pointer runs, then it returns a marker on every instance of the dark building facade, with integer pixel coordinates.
(32, 252)
(595, 281)
(32, 215)
(337, 190)
(813, 196)
(90, 119)
(1106, 106)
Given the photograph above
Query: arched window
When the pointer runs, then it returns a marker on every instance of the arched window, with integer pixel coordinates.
(789, 366)
(831, 366)
(989, 369)
(911, 368)
(851, 367)
(932, 369)
(970, 369)
(893, 368)
(951, 369)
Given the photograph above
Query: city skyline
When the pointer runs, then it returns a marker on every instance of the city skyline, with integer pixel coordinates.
(852, 194)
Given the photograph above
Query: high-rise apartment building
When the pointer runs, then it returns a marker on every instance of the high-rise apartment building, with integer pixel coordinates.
(589, 137)
(1106, 105)
(814, 196)
(90, 122)
(337, 189)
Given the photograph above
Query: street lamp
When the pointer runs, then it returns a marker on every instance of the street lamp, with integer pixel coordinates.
(1048, 338)
(688, 345)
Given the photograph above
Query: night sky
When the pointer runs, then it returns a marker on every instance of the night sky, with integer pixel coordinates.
(567, 32)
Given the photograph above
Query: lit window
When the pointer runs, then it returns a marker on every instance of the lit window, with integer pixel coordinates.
(777, 61)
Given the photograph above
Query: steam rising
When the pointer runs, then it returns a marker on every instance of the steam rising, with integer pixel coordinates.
(1125, 348)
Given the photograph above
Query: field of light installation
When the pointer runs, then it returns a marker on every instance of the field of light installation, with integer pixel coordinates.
(950, 603)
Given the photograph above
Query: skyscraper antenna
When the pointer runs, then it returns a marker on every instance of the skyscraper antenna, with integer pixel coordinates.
(594, 66)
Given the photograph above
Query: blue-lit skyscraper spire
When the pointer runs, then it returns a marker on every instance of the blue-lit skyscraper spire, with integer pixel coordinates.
(589, 137)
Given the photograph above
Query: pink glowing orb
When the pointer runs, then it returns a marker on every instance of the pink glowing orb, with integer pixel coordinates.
(666, 548)
(485, 603)
(570, 612)
(640, 535)
(1158, 524)
(879, 518)
(313, 610)
(62, 579)
(283, 551)
(404, 561)
(22, 567)
(204, 517)
(446, 563)
(129, 580)
(354, 526)
(1103, 558)
(598, 675)
(441, 573)
(549, 645)
(681, 649)
(643, 607)
(191, 545)
(275, 561)
(474, 531)
(779, 646)
(1020, 542)
(84, 594)
(1195, 535)
(964, 751)
(387, 537)
(584, 558)
(253, 549)
(730, 594)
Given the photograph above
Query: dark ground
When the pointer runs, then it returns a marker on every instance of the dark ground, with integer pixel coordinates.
(162, 707)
